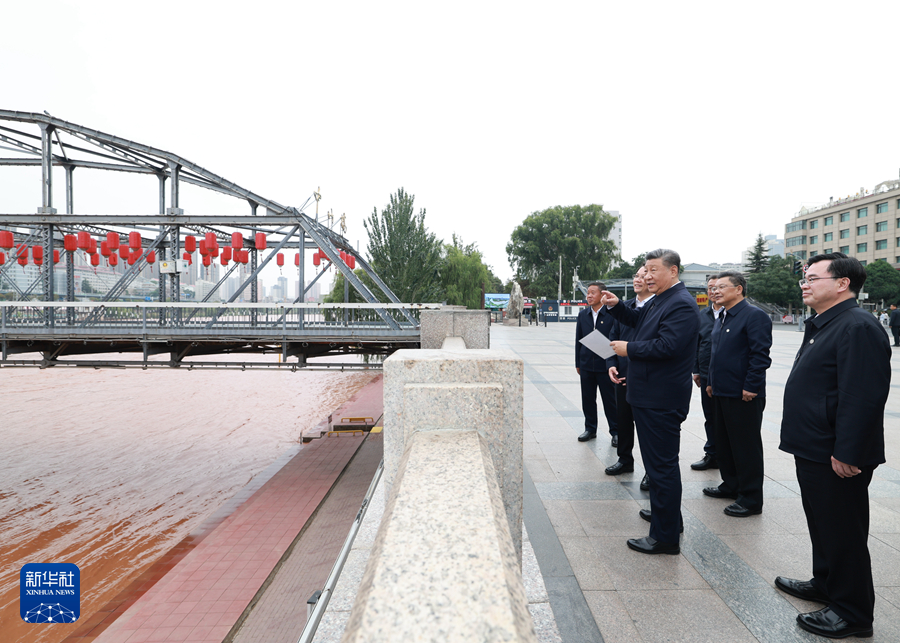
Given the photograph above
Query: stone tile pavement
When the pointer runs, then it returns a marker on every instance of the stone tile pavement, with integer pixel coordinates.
(721, 587)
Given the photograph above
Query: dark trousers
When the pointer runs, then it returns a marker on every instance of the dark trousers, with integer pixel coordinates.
(659, 431)
(590, 382)
(895, 331)
(739, 448)
(625, 424)
(837, 513)
(709, 417)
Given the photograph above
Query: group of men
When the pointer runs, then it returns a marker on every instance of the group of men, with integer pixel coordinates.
(833, 417)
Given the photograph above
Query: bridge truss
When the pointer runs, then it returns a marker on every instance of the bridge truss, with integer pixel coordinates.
(45, 316)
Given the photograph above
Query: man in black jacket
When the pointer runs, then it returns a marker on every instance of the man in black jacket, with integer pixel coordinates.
(592, 368)
(618, 372)
(708, 316)
(741, 340)
(660, 356)
(833, 424)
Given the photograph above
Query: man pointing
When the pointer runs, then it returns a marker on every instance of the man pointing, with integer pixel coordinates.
(661, 354)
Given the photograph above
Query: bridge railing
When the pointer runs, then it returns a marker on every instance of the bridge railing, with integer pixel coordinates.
(130, 318)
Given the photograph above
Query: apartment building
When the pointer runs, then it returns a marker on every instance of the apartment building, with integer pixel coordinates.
(865, 225)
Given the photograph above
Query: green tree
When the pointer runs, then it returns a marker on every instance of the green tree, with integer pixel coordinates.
(578, 234)
(402, 252)
(626, 270)
(759, 256)
(86, 286)
(882, 282)
(776, 284)
(463, 274)
(336, 296)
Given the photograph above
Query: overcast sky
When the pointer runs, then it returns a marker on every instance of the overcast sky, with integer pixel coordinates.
(703, 123)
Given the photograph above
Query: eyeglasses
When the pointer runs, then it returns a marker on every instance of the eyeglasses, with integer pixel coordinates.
(723, 287)
(809, 280)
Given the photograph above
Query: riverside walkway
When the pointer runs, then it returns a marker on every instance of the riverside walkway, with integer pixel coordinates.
(721, 587)
(583, 583)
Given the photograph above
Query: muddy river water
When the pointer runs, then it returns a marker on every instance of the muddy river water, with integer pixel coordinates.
(108, 469)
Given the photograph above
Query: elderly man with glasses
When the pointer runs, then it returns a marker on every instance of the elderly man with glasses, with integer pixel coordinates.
(833, 424)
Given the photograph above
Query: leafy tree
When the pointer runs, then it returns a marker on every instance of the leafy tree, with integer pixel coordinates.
(882, 282)
(759, 256)
(626, 270)
(336, 296)
(776, 284)
(463, 274)
(401, 250)
(578, 234)
(86, 286)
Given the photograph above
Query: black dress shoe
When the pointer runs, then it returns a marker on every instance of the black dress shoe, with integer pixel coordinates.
(827, 623)
(645, 483)
(801, 589)
(715, 492)
(737, 511)
(619, 467)
(587, 435)
(646, 515)
(648, 545)
(708, 462)
(615, 442)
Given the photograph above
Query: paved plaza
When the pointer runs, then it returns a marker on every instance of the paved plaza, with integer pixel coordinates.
(721, 587)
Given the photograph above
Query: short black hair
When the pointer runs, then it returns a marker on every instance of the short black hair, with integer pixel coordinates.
(736, 279)
(599, 284)
(843, 266)
(713, 276)
(668, 257)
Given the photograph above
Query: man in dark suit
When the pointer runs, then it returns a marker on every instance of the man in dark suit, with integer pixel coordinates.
(833, 424)
(660, 355)
(592, 368)
(618, 372)
(738, 361)
(708, 316)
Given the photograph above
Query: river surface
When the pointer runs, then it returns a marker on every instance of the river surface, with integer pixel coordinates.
(109, 469)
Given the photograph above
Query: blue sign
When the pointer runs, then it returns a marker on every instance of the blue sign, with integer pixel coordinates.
(50, 593)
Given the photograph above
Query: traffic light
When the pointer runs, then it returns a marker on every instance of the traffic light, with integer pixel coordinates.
(798, 267)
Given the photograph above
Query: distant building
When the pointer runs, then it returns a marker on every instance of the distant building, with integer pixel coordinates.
(697, 274)
(774, 247)
(865, 225)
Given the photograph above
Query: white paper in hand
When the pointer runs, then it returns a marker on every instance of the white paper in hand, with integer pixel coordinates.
(598, 343)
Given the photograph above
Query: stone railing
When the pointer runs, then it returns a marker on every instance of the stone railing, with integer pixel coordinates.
(446, 563)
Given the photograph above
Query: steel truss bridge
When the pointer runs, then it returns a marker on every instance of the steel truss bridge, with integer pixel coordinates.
(45, 317)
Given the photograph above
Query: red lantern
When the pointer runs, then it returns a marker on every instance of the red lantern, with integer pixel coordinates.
(95, 260)
(104, 248)
(343, 256)
(131, 260)
(38, 253)
(6, 239)
(204, 250)
(84, 240)
(22, 251)
(134, 256)
(352, 262)
(23, 260)
(237, 240)
(56, 256)
(260, 240)
(112, 240)
(124, 252)
(190, 243)
(92, 248)
(2, 258)
(297, 259)
(113, 260)
(206, 260)
(279, 259)
(223, 259)
(214, 251)
(210, 239)
(70, 243)
(226, 253)
(187, 257)
(316, 260)
(134, 239)
(151, 257)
